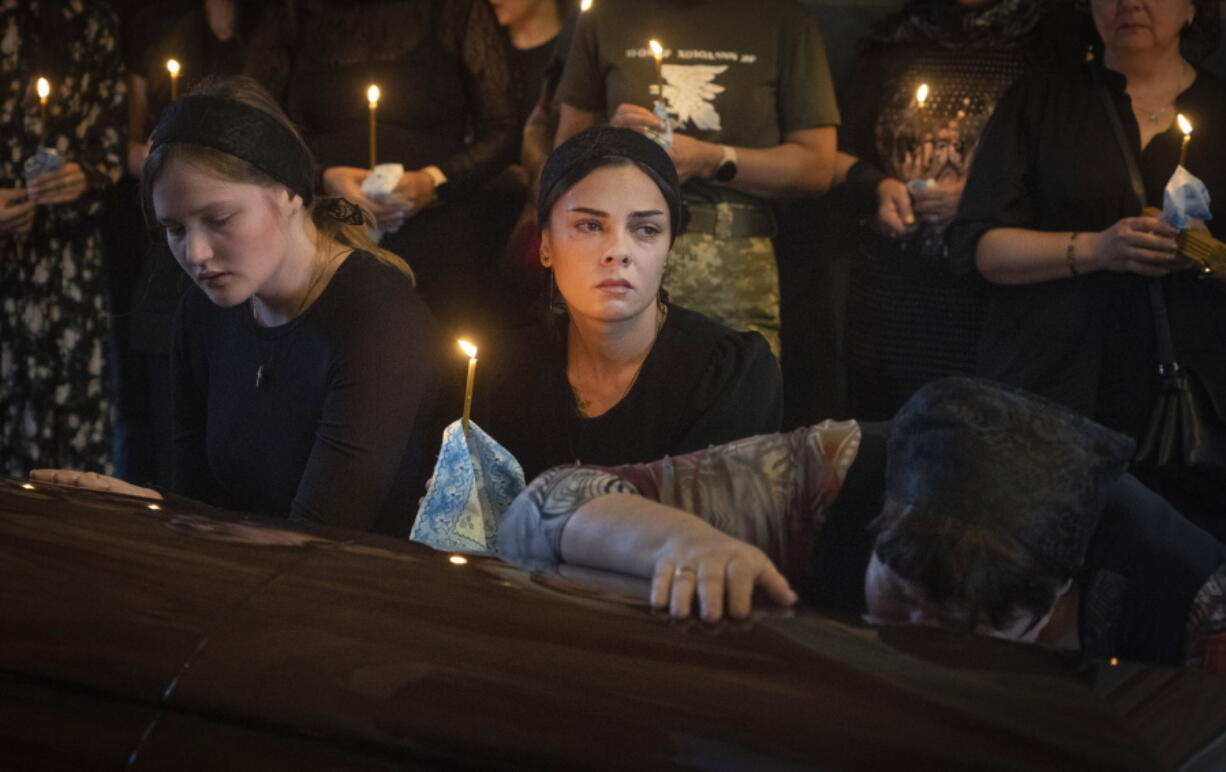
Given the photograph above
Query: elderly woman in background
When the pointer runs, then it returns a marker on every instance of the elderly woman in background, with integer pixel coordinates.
(1050, 217)
(619, 374)
(914, 312)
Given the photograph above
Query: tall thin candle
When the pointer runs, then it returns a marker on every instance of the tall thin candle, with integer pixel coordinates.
(44, 91)
(470, 350)
(172, 66)
(657, 51)
(372, 97)
(1186, 127)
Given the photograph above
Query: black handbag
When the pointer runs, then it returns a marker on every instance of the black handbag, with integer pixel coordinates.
(1185, 428)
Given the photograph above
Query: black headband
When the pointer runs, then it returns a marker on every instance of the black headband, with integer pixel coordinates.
(242, 131)
(589, 150)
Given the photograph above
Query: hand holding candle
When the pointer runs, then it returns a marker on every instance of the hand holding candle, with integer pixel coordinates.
(172, 66)
(471, 351)
(44, 91)
(372, 98)
(1186, 127)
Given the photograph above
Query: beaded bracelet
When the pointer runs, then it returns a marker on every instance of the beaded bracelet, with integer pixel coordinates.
(1069, 256)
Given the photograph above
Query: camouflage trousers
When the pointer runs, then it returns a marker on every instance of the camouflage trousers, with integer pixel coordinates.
(734, 281)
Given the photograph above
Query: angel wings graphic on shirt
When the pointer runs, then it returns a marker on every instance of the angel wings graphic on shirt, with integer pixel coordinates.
(690, 89)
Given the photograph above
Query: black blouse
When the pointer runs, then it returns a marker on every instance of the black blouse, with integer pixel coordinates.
(1050, 161)
(701, 384)
(339, 429)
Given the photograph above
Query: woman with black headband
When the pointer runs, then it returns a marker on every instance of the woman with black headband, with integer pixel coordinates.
(305, 364)
(623, 375)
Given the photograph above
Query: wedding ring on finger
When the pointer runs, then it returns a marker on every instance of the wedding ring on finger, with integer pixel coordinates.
(681, 571)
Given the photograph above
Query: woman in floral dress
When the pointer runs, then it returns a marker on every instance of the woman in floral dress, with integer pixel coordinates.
(54, 405)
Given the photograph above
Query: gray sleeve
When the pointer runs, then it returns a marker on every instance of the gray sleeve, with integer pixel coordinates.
(530, 531)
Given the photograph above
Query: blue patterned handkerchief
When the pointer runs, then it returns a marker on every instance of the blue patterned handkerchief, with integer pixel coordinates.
(1185, 197)
(475, 480)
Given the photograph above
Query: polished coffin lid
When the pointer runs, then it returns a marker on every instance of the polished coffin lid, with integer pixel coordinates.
(386, 650)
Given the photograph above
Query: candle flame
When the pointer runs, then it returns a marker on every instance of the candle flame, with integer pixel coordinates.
(921, 94)
(468, 348)
(372, 95)
(1184, 124)
(172, 66)
(586, 5)
(458, 560)
(44, 88)
(657, 50)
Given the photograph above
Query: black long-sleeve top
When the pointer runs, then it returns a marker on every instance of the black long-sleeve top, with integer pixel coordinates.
(701, 384)
(448, 96)
(338, 431)
(1049, 161)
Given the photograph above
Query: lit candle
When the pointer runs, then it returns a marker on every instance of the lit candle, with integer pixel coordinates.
(657, 51)
(917, 127)
(586, 5)
(471, 351)
(1186, 127)
(172, 66)
(44, 91)
(372, 97)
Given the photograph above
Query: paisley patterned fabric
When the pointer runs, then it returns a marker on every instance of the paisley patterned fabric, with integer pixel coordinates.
(772, 491)
(54, 406)
(1207, 625)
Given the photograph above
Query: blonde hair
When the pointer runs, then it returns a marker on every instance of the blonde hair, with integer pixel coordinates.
(233, 169)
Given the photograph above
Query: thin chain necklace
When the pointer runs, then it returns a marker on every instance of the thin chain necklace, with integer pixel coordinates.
(264, 370)
(584, 404)
(1155, 116)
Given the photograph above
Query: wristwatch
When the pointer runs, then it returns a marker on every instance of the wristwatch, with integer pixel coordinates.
(726, 171)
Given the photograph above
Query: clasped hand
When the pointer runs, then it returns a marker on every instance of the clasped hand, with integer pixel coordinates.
(1141, 245)
(413, 193)
(17, 205)
(722, 572)
(899, 213)
(692, 157)
(91, 481)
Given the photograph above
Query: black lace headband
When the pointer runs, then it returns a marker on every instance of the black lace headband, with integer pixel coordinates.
(241, 131)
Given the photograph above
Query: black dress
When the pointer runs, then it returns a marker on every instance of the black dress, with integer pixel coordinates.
(701, 384)
(339, 428)
(448, 100)
(1049, 161)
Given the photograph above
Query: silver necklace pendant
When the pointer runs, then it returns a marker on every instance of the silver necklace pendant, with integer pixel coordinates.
(259, 377)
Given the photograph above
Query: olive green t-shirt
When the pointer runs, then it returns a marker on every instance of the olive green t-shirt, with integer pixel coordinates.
(735, 72)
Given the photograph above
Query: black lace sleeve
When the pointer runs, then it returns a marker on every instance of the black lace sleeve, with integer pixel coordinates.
(471, 29)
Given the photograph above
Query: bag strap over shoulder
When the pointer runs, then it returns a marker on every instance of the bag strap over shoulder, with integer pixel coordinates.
(1157, 298)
